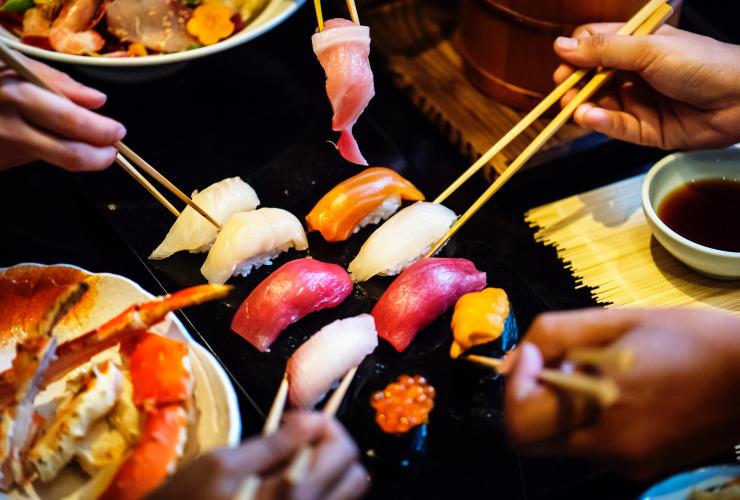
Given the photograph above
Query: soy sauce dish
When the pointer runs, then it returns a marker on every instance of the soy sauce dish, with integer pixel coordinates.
(692, 205)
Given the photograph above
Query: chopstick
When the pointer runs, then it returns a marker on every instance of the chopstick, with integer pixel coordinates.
(302, 460)
(353, 11)
(553, 98)
(615, 359)
(17, 65)
(319, 15)
(251, 485)
(603, 391)
(654, 21)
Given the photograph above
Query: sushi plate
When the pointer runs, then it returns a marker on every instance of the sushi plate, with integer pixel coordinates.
(680, 486)
(217, 422)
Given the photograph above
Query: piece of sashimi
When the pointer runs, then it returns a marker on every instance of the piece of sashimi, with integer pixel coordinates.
(296, 289)
(251, 239)
(327, 356)
(421, 294)
(192, 232)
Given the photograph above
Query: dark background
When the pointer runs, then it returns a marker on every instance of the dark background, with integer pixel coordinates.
(259, 111)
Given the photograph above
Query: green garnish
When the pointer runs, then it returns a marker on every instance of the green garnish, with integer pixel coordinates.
(194, 45)
(16, 5)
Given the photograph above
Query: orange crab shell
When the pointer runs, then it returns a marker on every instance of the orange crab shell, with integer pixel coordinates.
(158, 372)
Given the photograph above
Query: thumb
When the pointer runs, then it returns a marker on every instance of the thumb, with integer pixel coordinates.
(627, 53)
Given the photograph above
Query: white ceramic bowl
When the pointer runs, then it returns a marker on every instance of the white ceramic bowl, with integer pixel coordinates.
(674, 171)
(132, 69)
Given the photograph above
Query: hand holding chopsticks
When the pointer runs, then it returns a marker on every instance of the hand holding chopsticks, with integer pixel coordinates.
(646, 21)
(16, 64)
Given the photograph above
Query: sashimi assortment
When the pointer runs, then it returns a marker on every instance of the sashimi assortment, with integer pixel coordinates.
(252, 239)
(125, 28)
(421, 294)
(293, 291)
(401, 240)
(367, 198)
(343, 49)
(327, 356)
(192, 232)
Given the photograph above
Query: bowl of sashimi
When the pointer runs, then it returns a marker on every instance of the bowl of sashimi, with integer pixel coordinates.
(129, 40)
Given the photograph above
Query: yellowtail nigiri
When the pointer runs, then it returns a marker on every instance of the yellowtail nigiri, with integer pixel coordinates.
(402, 240)
(249, 240)
(192, 232)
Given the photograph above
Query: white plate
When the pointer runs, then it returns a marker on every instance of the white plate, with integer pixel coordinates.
(217, 422)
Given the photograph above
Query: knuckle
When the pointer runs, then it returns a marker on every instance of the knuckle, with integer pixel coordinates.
(598, 41)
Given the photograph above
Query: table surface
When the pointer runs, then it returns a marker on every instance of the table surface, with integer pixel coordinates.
(259, 111)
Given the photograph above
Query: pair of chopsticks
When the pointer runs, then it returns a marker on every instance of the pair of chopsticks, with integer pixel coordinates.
(320, 16)
(604, 391)
(647, 20)
(298, 467)
(17, 65)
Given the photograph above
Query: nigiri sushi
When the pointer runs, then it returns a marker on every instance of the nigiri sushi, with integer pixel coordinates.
(296, 289)
(192, 232)
(343, 49)
(421, 294)
(480, 318)
(249, 240)
(324, 358)
(401, 240)
(366, 198)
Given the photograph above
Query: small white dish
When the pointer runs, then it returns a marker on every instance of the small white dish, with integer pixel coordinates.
(680, 486)
(217, 420)
(136, 69)
(677, 170)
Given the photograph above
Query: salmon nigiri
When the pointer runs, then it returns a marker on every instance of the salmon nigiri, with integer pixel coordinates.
(297, 289)
(421, 294)
(367, 198)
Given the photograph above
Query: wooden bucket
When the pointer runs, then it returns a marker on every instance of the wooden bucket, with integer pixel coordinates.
(507, 44)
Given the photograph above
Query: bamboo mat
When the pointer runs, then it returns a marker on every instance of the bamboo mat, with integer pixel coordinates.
(416, 37)
(604, 240)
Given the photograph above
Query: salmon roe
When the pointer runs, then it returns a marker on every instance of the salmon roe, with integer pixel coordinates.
(403, 404)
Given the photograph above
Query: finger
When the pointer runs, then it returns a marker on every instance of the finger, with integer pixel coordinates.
(264, 453)
(619, 125)
(334, 455)
(628, 53)
(70, 155)
(587, 30)
(354, 484)
(61, 116)
(561, 73)
(556, 333)
(62, 82)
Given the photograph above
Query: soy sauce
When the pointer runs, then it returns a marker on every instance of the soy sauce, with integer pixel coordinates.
(706, 212)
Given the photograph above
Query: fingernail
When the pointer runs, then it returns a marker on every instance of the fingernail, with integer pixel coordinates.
(121, 132)
(566, 43)
(527, 384)
(581, 112)
(595, 118)
(508, 362)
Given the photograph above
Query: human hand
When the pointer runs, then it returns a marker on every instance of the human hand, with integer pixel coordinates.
(36, 124)
(678, 403)
(675, 90)
(334, 474)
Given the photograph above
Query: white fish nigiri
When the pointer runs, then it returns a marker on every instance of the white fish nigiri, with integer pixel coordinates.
(324, 358)
(251, 239)
(402, 240)
(191, 231)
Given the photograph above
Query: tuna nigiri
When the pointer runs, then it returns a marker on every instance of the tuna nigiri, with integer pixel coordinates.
(191, 231)
(401, 240)
(366, 198)
(343, 49)
(251, 239)
(324, 358)
(296, 289)
(421, 294)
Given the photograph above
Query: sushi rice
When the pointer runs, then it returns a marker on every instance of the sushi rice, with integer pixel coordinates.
(389, 207)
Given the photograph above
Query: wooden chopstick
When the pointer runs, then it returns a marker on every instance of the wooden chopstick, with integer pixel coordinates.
(319, 15)
(17, 65)
(353, 11)
(302, 460)
(614, 359)
(603, 391)
(553, 98)
(251, 485)
(653, 22)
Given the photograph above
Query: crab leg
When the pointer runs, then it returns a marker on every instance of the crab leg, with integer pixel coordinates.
(131, 322)
(33, 355)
